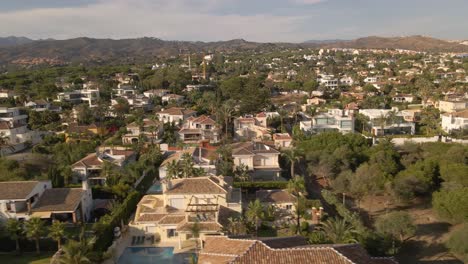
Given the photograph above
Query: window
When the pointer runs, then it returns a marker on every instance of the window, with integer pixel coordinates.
(289, 207)
(171, 233)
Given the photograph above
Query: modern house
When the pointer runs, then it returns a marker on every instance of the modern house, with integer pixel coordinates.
(14, 128)
(89, 96)
(333, 120)
(403, 98)
(156, 93)
(199, 128)
(90, 167)
(455, 121)
(208, 201)
(388, 122)
(175, 98)
(38, 105)
(175, 115)
(261, 159)
(287, 250)
(26, 199)
(149, 131)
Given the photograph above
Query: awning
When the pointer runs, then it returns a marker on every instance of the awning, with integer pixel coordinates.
(42, 214)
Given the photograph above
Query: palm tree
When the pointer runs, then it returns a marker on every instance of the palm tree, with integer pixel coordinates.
(255, 213)
(296, 187)
(291, 156)
(338, 231)
(187, 165)
(76, 252)
(14, 230)
(227, 109)
(5, 143)
(35, 228)
(57, 232)
(195, 229)
(282, 114)
(173, 170)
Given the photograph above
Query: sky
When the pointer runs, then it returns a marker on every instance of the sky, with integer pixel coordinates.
(253, 20)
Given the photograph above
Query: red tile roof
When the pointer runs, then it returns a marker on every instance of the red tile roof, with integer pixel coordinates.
(220, 249)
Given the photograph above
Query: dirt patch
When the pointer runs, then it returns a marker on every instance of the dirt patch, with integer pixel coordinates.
(427, 245)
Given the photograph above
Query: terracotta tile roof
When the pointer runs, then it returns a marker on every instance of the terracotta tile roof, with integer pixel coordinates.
(275, 196)
(177, 111)
(281, 136)
(16, 190)
(249, 148)
(226, 250)
(199, 185)
(262, 114)
(150, 217)
(285, 242)
(88, 161)
(59, 199)
(172, 219)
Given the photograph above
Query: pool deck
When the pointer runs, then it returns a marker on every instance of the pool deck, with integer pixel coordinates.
(126, 241)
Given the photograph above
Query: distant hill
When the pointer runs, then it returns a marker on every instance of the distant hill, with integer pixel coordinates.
(324, 41)
(13, 41)
(89, 50)
(23, 51)
(418, 43)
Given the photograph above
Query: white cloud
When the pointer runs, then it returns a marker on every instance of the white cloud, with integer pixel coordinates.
(181, 20)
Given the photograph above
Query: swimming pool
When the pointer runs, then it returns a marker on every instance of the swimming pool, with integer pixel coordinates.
(147, 255)
(155, 189)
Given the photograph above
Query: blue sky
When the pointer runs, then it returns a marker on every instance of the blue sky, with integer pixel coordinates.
(255, 20)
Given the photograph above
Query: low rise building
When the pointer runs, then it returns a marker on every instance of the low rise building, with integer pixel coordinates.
(199, 128)
(388, 122)
(148, 131)
(208, 201)
(261, 159)
(89, 96)
(282, 140)
(455, 121)
(175, 115)
(26, 199)
(333, 120)
(451, 106)
(251, 127)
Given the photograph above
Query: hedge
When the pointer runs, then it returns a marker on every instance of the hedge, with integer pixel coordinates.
(344, 212)
(104, 228)
(254, 186)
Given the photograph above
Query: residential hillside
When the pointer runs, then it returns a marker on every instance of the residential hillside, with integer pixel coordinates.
(23, 51)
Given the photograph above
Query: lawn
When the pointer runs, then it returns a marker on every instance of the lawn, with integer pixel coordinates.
(26, 258)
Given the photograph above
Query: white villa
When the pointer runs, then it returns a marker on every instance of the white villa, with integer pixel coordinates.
(208, 201)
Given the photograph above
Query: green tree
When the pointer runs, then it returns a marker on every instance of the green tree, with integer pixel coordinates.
(77, 252)
(291, 155)
(451, 205)
(296, 187)
(397, 225)
(34, 229)
(14, 229)
(255, 214)
(458, 242)
(57, 232)
(338, 231)
(173, 170)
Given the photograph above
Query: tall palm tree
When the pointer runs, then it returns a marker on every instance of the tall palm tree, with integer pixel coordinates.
(187, 165)
(57, 232)
(282, 115)
(14, 230)
(35, 228)
(76, 252)
(195, 230)
(173, 170)
(255, 213)
(338, 231)
(291, 155)
(296, 187)
(227, 109)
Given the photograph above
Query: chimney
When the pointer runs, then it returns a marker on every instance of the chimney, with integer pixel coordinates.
(28, 204)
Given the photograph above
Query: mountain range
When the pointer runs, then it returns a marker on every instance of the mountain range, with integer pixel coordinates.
(24, 51)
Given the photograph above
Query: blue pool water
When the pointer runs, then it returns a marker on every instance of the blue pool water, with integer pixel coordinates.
(155, 189)
(147, 255)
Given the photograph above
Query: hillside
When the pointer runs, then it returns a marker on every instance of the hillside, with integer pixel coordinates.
(418, 43)
(14, 41)
(89, 50)
(23, 51)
